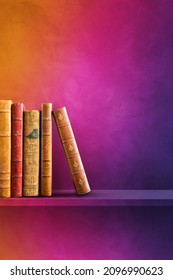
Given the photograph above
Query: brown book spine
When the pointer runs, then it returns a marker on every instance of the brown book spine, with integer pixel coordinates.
(46, 149)
(31, 153)
(16, 149)
(71, 151)
(5, 146)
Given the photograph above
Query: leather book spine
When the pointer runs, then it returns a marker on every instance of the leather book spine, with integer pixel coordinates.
(71, 151)
(5, 146)
(46, 149)
(16, 149)
(31, 153)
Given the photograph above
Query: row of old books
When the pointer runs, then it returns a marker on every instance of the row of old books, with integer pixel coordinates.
(26, 150)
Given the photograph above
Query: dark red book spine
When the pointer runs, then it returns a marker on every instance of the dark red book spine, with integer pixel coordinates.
(16, 149)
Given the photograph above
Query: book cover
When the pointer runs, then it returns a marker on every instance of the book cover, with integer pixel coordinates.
(16, 149)
(31, 153)
(46, 149)
(71, 151)
(5, 145)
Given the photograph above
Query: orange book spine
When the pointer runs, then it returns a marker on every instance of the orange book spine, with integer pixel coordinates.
(5, 145)
(31, 153)
(71, 151)
(46, 149)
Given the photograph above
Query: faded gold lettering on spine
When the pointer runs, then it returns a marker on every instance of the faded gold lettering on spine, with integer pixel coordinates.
(71, 151)
(31, 153)
(46, 149)
(5, 148)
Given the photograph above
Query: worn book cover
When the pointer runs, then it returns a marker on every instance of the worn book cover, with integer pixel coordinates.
(46, 149)
(31, 153)
(16, 149)
(71, 151)
(5, 148)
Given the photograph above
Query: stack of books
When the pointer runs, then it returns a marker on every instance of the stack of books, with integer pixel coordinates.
(26, 150)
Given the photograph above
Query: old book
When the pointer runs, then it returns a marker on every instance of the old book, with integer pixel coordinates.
(46, 149)
(5, 146)
(16, 149)
(71, 151)
(31, 153)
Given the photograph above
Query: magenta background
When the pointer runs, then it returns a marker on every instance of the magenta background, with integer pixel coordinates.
(110, 62)
(116, 81)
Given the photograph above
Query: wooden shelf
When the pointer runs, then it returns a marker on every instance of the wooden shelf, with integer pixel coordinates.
(97, 198)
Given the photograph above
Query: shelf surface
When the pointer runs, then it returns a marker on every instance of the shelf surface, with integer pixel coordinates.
(97, 198)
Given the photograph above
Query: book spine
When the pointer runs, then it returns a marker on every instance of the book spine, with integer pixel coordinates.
(46, 149)
(5, 146)
(16, 149)
(71, 151)
(31, 153)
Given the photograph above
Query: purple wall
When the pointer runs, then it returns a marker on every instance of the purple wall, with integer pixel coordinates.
(118, 92)
(110, 62)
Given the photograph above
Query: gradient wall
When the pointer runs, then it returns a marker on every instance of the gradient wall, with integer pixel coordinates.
(110, 62)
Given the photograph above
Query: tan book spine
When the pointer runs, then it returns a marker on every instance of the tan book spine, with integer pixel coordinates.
(5, 148)
(31, 153)
(46, 149)
(71, 151)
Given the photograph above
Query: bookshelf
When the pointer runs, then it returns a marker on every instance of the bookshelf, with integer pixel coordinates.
(97, 198)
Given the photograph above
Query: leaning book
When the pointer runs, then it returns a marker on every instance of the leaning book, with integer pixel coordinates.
(71, 151)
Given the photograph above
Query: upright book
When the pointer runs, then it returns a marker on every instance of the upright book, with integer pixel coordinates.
(16, 149)
(31, 153)
(5, 146)
(46, 150)
(71, 151)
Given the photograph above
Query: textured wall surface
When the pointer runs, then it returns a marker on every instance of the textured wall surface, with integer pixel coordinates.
(110, 62)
